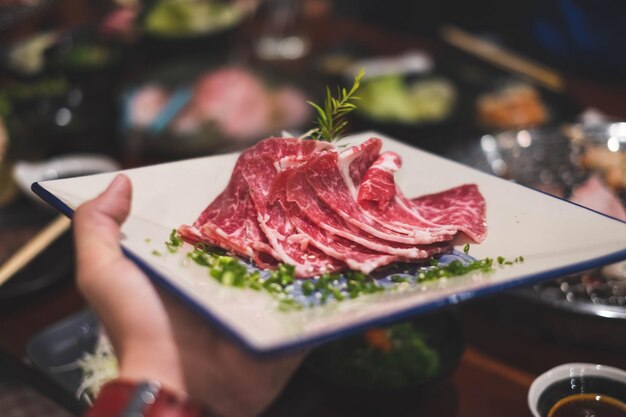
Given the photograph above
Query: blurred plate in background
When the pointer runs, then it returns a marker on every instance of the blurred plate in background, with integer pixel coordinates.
(196, 107)
(56, 350)
(20, 222)
(580, 163)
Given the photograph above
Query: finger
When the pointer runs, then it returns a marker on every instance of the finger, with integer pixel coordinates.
(97, 225)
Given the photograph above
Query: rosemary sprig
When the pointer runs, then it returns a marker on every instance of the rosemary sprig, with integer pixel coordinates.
(331, 119)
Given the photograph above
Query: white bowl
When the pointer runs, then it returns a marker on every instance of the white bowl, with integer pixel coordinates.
(566, 371)
(25, 173)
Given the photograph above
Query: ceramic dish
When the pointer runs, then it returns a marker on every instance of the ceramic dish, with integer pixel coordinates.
(56, 349)
(26, 172)
(20, 221)
(575, 378)
(554, 237)
(52, 266)
(169, 112)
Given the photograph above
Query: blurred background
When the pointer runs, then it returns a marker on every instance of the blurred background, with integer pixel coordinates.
(142, 79)
(532, 91)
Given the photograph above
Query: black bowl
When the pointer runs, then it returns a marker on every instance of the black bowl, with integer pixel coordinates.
(441, 332)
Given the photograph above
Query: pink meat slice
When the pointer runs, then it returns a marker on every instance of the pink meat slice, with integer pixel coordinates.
(378, 186)
(285, 152)
(230, 221)
(333, 185)
(302, 203)
(355, 256)
(356, 160)
(381, 200)
(291, 246)
(299, 191)
(443, 214)
(370, 176)
(462, 207)
(235, 100)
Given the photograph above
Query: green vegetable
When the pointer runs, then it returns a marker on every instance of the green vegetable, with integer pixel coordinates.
(20, 91)
(331, 119)
(399, 279)
(280, 283)
(355, 362)
(308, 288)
(389, 98)
(228, 270)
(86, 55)
(175, 242)
(458, 268)
(177, 18)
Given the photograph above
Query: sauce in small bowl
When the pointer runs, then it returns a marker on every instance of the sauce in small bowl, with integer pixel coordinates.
(588, 405)
(579, 390)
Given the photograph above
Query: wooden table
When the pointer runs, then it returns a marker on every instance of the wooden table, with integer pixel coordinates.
(495, 372)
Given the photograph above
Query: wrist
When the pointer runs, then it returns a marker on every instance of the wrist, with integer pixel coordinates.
(151, 365)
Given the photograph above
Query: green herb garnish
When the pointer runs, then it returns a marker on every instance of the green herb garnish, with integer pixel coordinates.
(175, 242)
(331, 119)
(280, 283)
(453, 269)
(228, 270)
(466, 248)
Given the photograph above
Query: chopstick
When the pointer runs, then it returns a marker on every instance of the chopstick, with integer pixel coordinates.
(503, 58)
(34, 247)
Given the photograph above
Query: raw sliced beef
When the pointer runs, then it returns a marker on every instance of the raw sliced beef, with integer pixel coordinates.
(303, 203)
(355, 161)
(378, 186)
(298, 190)
(378, 174)
(323, 173)
(291, 246)
(230, 222)
(328, 232)
(463, 207)
(355, 256)
(443, 215)
(286, 152)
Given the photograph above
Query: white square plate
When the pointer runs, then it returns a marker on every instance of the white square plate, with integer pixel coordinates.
(555, 238)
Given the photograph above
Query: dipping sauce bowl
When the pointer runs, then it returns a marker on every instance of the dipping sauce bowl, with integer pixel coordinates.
(579, 390)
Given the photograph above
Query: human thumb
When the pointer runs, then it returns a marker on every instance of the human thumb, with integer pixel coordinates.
(97, 224)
